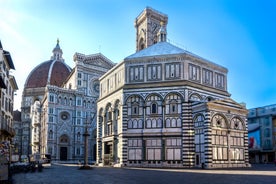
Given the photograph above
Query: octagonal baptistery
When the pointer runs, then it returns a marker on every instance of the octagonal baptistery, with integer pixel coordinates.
(52, 72)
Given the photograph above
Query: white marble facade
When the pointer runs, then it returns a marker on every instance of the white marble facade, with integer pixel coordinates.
(166, 107)
(67, 111)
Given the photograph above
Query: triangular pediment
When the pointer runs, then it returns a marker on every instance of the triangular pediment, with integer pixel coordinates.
(94, 59)
(227, 102)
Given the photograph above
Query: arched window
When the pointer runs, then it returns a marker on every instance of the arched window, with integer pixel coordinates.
(219, 121)
(135, 109)
(237, 124)
(141, 44)
(154, 108)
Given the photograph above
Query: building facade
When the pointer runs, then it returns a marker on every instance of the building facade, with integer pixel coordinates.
(8, 87)
(51, 72)
(166, 107)
(262, 134)
(59, 104)
(67, 111)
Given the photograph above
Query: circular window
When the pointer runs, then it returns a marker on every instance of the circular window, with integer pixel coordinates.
(64, 116)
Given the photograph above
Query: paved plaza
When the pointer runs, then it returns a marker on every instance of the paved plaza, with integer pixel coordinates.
(70, 174)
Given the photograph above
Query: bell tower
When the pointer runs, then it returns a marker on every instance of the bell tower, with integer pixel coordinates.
(147, 26)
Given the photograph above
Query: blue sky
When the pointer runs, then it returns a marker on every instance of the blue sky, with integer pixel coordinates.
(237, 34)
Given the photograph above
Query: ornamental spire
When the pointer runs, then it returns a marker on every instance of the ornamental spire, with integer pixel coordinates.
(57, 52)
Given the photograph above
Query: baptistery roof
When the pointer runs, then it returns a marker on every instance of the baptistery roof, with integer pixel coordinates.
(54, 71)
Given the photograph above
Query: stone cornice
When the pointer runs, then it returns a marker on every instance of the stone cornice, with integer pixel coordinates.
(173, 83)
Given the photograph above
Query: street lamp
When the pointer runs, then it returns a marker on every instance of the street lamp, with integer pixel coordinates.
(86, 134)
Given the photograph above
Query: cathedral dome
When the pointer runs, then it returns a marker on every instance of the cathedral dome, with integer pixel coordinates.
(54, 71)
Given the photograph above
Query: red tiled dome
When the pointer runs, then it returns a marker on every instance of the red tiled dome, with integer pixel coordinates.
(52, 72)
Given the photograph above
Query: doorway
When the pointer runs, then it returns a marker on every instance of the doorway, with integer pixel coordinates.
(63, 153)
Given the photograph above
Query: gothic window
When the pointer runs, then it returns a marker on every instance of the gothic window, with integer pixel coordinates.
(172, 70)
(65, 101)
(207, 77)
(109, 116)
(194, 72)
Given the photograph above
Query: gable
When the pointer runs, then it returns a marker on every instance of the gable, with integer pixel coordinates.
(98, 60)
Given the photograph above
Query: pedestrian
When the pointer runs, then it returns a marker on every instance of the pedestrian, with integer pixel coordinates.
(79, 163)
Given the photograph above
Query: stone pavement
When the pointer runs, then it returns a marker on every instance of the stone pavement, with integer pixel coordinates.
(70, 174)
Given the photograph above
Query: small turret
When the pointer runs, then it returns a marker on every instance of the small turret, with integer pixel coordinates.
(57, 52)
